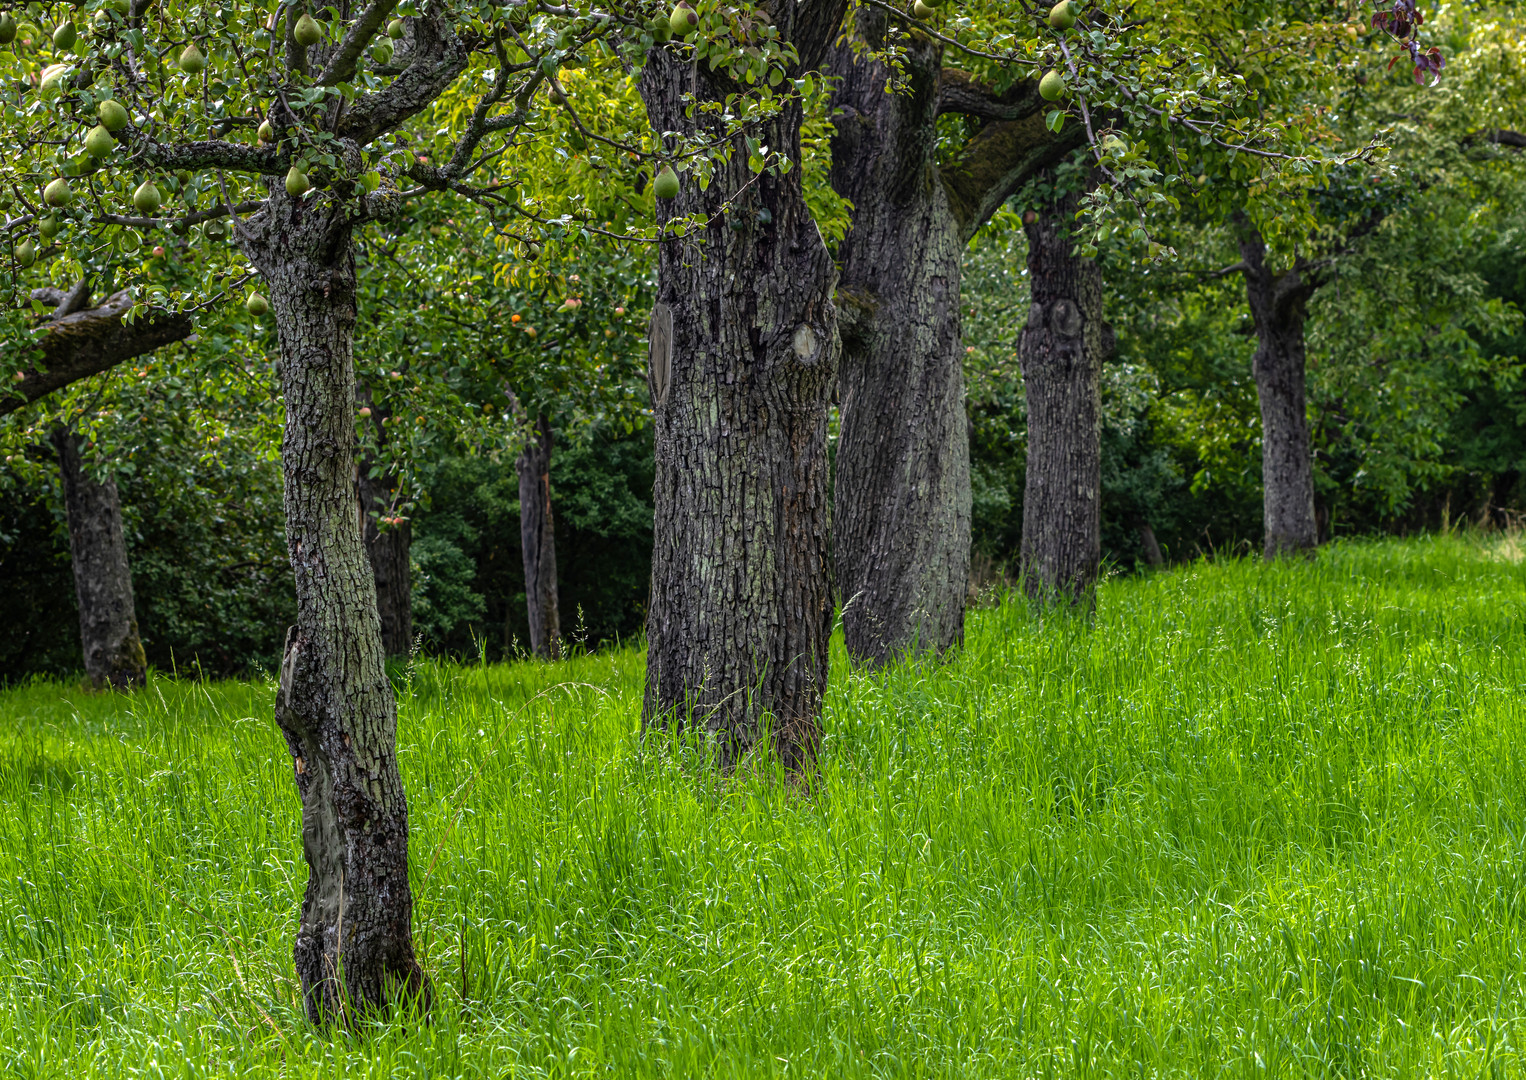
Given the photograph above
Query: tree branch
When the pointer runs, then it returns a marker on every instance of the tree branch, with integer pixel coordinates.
(961, 92)
(341, 65)
(437, 58)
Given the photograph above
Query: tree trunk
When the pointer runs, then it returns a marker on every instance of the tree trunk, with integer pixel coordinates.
(744, 358)
(537, 536)
(902, 482)
(1287, 465)
(387, 546)
(1148, 542)
(1061, 351)
(108, 621)
(354, 946)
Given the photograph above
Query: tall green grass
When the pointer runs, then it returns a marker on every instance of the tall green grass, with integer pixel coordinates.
(1253, 820)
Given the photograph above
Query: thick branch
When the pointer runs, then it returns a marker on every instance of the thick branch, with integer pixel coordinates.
(961, 92)
(341, 65)
(437, 58)
(89, 342)
(1003, 157)
(211, 154)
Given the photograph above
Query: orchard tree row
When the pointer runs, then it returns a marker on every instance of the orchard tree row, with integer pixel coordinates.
(485, 225)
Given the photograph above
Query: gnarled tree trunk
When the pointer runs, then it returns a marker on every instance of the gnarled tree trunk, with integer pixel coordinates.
(1287, 463)
(108, 621)
(387, 548)
(537, 536)
(745, 352)
(902, 484)
(354, 944)
(1061, 353)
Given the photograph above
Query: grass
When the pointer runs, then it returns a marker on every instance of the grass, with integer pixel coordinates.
(1254, 821)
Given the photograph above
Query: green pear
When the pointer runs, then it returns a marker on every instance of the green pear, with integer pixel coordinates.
(256, 305)
(1063, 15)
(307, 32)
(1051, 86)
(191, 61)
(52, 78)
(296, 183)
(922, 11)
(266, 132)
(7, 28)
(99, 142)
(683, 20)
(26, 253)
(65, 36)
(48, 227)
(57, 193)
(395, 29)
(147, 198)
(113, 116)
(666, 184)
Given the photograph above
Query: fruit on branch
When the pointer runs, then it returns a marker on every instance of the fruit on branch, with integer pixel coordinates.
(57, 193)
(26, 253)
(1051, 86)
(922, 11)
(48, 227)
(307, 31)
(256, 304)
(296, 183)
(395, 29)
(52, 77)
(147, 198)
(7, 28)
(1063, 15)
(113, 117)
(65, 35)
(266, 132)
(683, 20)
(191, 61)
(666, 184)
(99, 142)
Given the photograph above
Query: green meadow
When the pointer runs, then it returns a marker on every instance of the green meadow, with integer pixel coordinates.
(1249, 821)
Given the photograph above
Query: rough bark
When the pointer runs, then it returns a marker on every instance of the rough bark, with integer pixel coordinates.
(537, 537)
(354, 947)
(108, 620)
(84, 343)
(1061, 351)
(902, 483)
(741, 602)
(387, 548)
(1277, 304)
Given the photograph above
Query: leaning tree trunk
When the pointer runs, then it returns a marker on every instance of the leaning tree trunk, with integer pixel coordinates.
(1061, 352)
(537, 537)
(1287, 463)
(744, 358)
(902, 483)
(108, 620)
(354, 946)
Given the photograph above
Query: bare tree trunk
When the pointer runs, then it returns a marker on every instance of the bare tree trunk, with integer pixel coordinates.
(537, 536)
(354, 946)
(1148, 542)
(387, 547)
(1061, 352)
(902, 480)
(745, 359)
(1287, 464)
(108, 620)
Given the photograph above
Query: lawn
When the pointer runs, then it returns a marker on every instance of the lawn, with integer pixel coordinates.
(1250, 821)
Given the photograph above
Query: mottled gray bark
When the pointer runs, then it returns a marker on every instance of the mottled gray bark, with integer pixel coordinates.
(1061, 352)
(741, 602)
(108, 620)
(537, 536)
(354, 947)
(387, 548)
(902, 483)
(1277, 304)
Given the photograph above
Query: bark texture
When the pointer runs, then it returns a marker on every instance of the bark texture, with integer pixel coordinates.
(354, 947)
(79, 344)
(1277, 303)
(387, 547)
(902, 483)
(537, 536)
(108, 621)
(741, 603)
(1061, 352)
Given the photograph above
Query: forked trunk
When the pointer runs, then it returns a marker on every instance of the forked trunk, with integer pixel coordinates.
(387, 547)
(1287, 463)
(537, 537)
(354, 947)
(108, 621)
(1061, 352)
(902, 484)
(744, 360)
